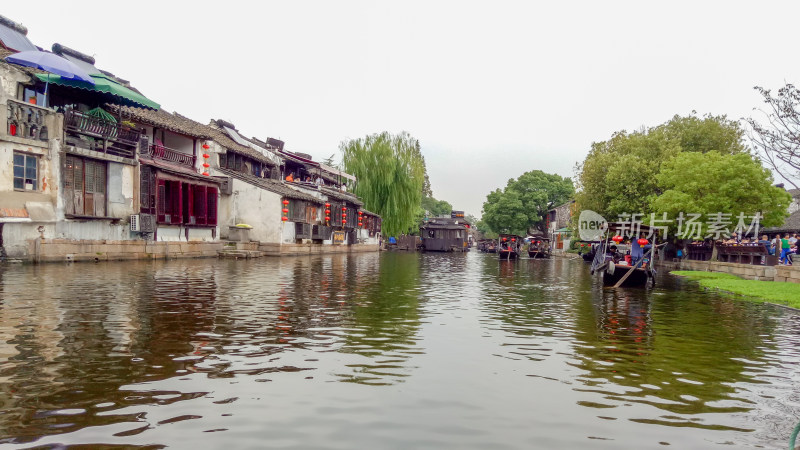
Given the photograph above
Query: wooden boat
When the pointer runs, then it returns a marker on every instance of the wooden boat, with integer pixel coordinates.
(619, 270)
(444, 234)
(509, 246)
(539, 247)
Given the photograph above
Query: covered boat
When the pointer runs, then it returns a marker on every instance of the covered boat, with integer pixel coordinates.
(509, 246)
(539, 247)
(445, 234)
(622, 264)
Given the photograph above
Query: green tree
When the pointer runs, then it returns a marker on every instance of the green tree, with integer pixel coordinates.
(435, 207)
(620, 175)
(539, 192)
(504, 212)
(524, 202)
(711, 183)
(390, 171)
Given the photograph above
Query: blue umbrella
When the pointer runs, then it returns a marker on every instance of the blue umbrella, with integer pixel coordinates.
(50, 62)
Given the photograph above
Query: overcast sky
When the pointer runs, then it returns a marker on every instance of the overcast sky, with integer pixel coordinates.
(490, 89)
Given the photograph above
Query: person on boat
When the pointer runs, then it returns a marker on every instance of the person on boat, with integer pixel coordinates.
(612, 254)
(289, 177)
(636, 251)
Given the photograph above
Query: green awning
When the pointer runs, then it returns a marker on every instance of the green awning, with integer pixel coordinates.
(105, 85)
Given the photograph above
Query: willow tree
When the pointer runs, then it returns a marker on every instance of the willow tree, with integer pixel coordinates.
(390, 173)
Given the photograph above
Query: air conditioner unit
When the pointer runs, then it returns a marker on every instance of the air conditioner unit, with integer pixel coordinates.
(143, 223)
(226, 187)
(302, 230)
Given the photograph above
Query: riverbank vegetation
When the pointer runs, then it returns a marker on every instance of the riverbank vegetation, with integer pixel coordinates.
(688, 164)
(782, 293)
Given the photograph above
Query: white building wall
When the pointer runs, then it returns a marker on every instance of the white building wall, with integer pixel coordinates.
(254, 206)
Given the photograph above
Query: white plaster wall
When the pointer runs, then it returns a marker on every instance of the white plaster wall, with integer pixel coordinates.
(178, 234)
(120, 190)
(90, 230)
(16, 237)
(288, 233)
(254, 206)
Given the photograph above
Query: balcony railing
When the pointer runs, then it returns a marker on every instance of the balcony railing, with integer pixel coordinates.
(100, 135)
(26, 121)
(157, 151)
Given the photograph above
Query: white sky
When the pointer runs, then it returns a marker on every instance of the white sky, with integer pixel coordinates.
(491, 89)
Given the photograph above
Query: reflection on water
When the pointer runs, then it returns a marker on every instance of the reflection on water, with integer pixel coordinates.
(391, 350)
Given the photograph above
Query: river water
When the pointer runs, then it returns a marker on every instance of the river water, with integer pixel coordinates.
(390, 351)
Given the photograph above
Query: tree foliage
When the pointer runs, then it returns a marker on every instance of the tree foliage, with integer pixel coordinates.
(390, 171)
(620, 175)
(435, 207)
(524, 202)
(711, 183)
(778, 140)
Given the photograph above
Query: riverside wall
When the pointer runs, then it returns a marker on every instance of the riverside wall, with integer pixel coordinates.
(747, 271)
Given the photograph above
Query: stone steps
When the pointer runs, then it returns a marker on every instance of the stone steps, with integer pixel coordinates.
(240, 254)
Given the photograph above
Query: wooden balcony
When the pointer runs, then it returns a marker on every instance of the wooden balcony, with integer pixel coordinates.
(156, 151)
(94, 133)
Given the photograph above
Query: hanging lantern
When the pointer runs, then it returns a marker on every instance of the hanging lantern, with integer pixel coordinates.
(327, 218)
(286, 202)
(617, 239)
(327, 205)
(513, 239)
(206, 173)
(643, 242)
(284, 218)
(360, 224)
(285, 210)
(505, 239)
(344, 208)
(206, 165)
(206, 155)
(206, 147)
(361, 213)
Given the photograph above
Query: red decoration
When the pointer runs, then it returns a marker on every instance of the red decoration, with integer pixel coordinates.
(643, 242)
(617, 239)
(328, 218)
(327, 211)
(344, 208)
(206, 146)
(360, 224)
(504, 239)
(206, 165)
(513, 239)
(205, 173)
(360, 213)
(327, 205)
(284, 218)
(285, 210)
(286, 202)
(206, 155)
(12, 129)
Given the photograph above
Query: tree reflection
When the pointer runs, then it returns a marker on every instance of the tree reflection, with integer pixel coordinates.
(681, 356)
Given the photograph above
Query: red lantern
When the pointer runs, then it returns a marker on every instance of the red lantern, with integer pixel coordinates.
(344, 220)
(205, 173)
(206, 155)
(344, 208)
(617, 239)
(328, 218)
(285, 210)
(360, 213)
(360, 224)
(504, 239)
(327, 211)
(206, 165)
(284, 218)
(327, 205)
(643, 242)
(286, 202)
(206, 146)
(513, 239)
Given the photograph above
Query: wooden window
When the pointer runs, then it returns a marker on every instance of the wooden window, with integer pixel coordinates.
(26, 172)
(297, 210)
(169, 202)
(148, 188)
(85, 187)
